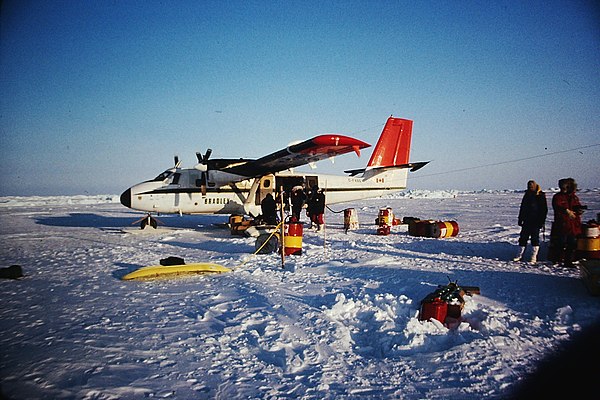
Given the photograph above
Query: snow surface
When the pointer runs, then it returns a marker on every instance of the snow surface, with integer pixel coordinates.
(339, 321)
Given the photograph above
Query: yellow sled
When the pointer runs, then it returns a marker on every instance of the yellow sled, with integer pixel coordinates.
(160, 271)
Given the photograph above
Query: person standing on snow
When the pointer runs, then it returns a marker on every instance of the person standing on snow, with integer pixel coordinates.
(532, 217)
(298, 198)
(316, 208)
(269, 209)
(567, 222)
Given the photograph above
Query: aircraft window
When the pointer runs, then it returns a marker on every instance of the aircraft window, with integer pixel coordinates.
(163, 176)
(193, 178)
(176, 179)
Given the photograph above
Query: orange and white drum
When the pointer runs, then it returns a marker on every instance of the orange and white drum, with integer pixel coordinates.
(441, 229)
(350, 219)
(386, 217)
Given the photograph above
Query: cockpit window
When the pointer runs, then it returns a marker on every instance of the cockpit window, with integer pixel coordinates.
(163, 176)
(168, 175)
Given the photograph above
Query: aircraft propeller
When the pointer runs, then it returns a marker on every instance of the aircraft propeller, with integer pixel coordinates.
(201, 159)
(203, 166)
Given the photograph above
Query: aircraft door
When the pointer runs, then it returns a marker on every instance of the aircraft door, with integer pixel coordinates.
(311, 181)
(267, 185)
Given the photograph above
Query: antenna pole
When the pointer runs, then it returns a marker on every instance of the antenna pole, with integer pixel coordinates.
(324, 224)
(282, 247)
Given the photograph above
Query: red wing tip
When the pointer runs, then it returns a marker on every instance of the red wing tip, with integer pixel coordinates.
(333, 139)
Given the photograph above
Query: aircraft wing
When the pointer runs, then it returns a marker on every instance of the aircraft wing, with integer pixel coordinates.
(295, 155)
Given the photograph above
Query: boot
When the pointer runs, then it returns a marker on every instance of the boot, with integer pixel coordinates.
(534, 254)
(520, 254)
(568, 259)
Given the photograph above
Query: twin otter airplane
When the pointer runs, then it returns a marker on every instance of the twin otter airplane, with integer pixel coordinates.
(237, 186)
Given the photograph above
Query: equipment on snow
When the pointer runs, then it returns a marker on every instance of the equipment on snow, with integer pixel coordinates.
(445, 302)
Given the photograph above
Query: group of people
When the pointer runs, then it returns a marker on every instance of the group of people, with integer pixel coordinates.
(315, 206)
(565, 227)
(532, 217)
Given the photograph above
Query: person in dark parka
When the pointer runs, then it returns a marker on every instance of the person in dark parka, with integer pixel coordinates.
(269, 209)
(298, 198)
(532, 217)
(316, 208)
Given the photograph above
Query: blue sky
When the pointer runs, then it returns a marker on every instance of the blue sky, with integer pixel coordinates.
(99, 95)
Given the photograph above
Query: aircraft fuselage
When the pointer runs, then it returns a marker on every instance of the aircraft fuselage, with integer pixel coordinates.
(244, 197)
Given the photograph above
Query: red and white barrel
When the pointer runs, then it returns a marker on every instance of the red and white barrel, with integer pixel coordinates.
(292, 238)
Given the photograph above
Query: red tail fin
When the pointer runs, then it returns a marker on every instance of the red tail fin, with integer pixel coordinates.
(393, 146)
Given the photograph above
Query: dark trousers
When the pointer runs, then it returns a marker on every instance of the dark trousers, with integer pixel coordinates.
(296, 210)
(562, 249)
(527, 232)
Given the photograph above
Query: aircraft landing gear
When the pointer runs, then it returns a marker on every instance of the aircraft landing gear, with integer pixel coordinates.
(148, 220)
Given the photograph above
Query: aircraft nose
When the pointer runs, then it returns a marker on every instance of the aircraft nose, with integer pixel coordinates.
(126, 198)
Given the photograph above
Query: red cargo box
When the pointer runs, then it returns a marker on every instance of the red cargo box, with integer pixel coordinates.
(437, 309)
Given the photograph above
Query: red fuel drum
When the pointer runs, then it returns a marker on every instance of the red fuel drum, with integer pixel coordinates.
(437, 309)
(292, 238)
(383, 230)
(442, 229)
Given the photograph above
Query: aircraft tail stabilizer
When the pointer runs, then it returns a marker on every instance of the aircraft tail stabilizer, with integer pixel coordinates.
(392, 150)
(393, 146)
